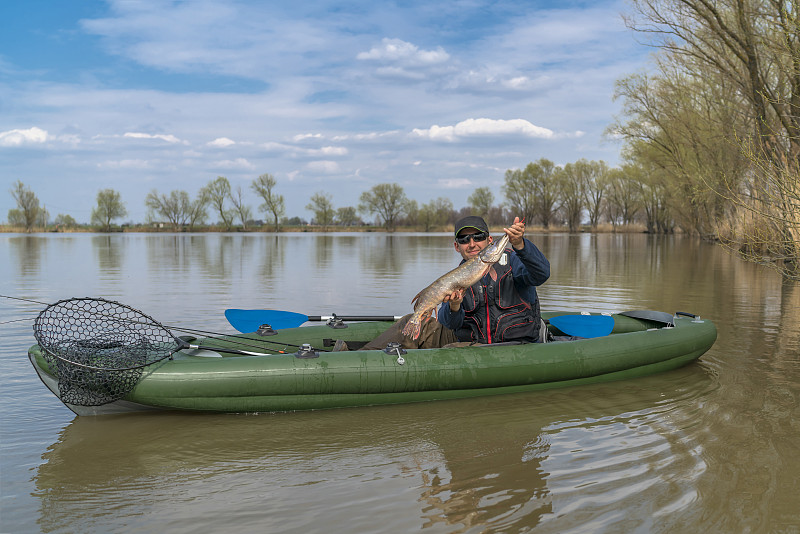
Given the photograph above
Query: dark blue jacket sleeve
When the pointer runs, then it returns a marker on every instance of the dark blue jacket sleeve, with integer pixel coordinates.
(529, 266)
(450, 319)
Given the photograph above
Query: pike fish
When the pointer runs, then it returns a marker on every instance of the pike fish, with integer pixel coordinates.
(461, 277)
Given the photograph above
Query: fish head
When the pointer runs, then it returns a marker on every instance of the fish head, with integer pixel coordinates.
(493, 252)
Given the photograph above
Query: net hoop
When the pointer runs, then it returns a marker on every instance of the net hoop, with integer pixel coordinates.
(119, 337)
(98, 348)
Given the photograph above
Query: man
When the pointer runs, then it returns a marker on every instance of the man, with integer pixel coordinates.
(502, 306)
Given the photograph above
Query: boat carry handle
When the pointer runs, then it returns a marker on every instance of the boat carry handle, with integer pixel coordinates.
(696, 318)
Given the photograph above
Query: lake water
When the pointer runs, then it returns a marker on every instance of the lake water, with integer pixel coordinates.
(713, 446)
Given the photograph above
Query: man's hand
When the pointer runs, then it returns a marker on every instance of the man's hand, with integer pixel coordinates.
(455, 298)
(515, 233)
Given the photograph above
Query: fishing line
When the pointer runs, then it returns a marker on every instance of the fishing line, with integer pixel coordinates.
(24, 300)
(15, 320)
(211, 335)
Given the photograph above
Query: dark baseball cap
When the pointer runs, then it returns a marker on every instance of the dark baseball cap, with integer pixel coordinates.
(471, 221)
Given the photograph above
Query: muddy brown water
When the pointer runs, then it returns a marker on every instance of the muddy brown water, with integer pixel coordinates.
(713, 446)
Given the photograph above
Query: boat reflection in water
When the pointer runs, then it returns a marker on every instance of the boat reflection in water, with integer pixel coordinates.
(560, 459)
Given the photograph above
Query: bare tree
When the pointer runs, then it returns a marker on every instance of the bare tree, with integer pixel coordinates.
(388, 201)
(435, 213)
(533, 192)
(622, 201)
(322, 206)
(347, 216)
(242, 210)
(571, 181)
(595, 187)
(218, 192)
(65, 221)
(198, 209)
(175, 207)
(481, 201)
(28, 212)
(109, 207)
(273, 203)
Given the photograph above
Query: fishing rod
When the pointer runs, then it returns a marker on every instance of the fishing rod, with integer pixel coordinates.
(120, 316)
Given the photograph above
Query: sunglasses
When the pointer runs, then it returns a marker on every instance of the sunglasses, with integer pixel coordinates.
(464, 239)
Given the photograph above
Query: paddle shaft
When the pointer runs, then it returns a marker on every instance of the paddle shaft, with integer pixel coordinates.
(316, 318)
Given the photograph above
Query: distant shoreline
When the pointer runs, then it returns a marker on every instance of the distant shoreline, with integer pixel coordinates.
(601, 229)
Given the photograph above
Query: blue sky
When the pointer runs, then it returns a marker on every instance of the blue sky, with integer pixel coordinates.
(439, 97)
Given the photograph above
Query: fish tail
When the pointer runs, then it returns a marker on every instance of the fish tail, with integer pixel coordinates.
(413, 327)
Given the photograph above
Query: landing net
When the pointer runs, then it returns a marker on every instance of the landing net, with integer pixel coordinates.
(98, 349)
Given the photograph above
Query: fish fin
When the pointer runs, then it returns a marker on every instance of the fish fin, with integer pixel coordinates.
(412, 328)
(415, 300)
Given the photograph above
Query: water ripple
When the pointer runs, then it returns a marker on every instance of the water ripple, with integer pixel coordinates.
(649, 459)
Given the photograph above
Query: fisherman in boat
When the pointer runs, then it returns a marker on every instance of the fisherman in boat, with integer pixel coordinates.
(502, 306)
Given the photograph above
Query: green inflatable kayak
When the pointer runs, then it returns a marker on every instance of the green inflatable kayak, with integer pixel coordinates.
(297, 369)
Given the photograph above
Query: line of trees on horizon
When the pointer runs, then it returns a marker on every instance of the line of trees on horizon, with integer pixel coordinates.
(552, 196)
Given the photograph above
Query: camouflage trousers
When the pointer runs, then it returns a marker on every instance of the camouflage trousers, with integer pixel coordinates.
(434, 335)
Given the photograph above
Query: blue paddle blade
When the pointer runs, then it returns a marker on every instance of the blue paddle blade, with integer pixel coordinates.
(584, 325)
(247, 321)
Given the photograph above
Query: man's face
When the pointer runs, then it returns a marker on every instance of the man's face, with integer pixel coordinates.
(471, 248)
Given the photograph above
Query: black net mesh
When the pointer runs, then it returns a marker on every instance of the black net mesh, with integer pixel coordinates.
(99, 348)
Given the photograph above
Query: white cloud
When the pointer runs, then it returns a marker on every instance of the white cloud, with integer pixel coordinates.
(367, 136)
(70, 139)
(23, 137)
(300, 137)
(399, 51)
(238, 163)
(400, 72)
(400, 59)
(498, 78)
(483, 127)
(221, 142)
(518, 82)
(168, 138)
(272, 146)
(325, 166)
(454, 183)
(333, 150)
(295, 151)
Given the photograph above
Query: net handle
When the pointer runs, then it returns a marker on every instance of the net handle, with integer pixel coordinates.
(65, 310)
